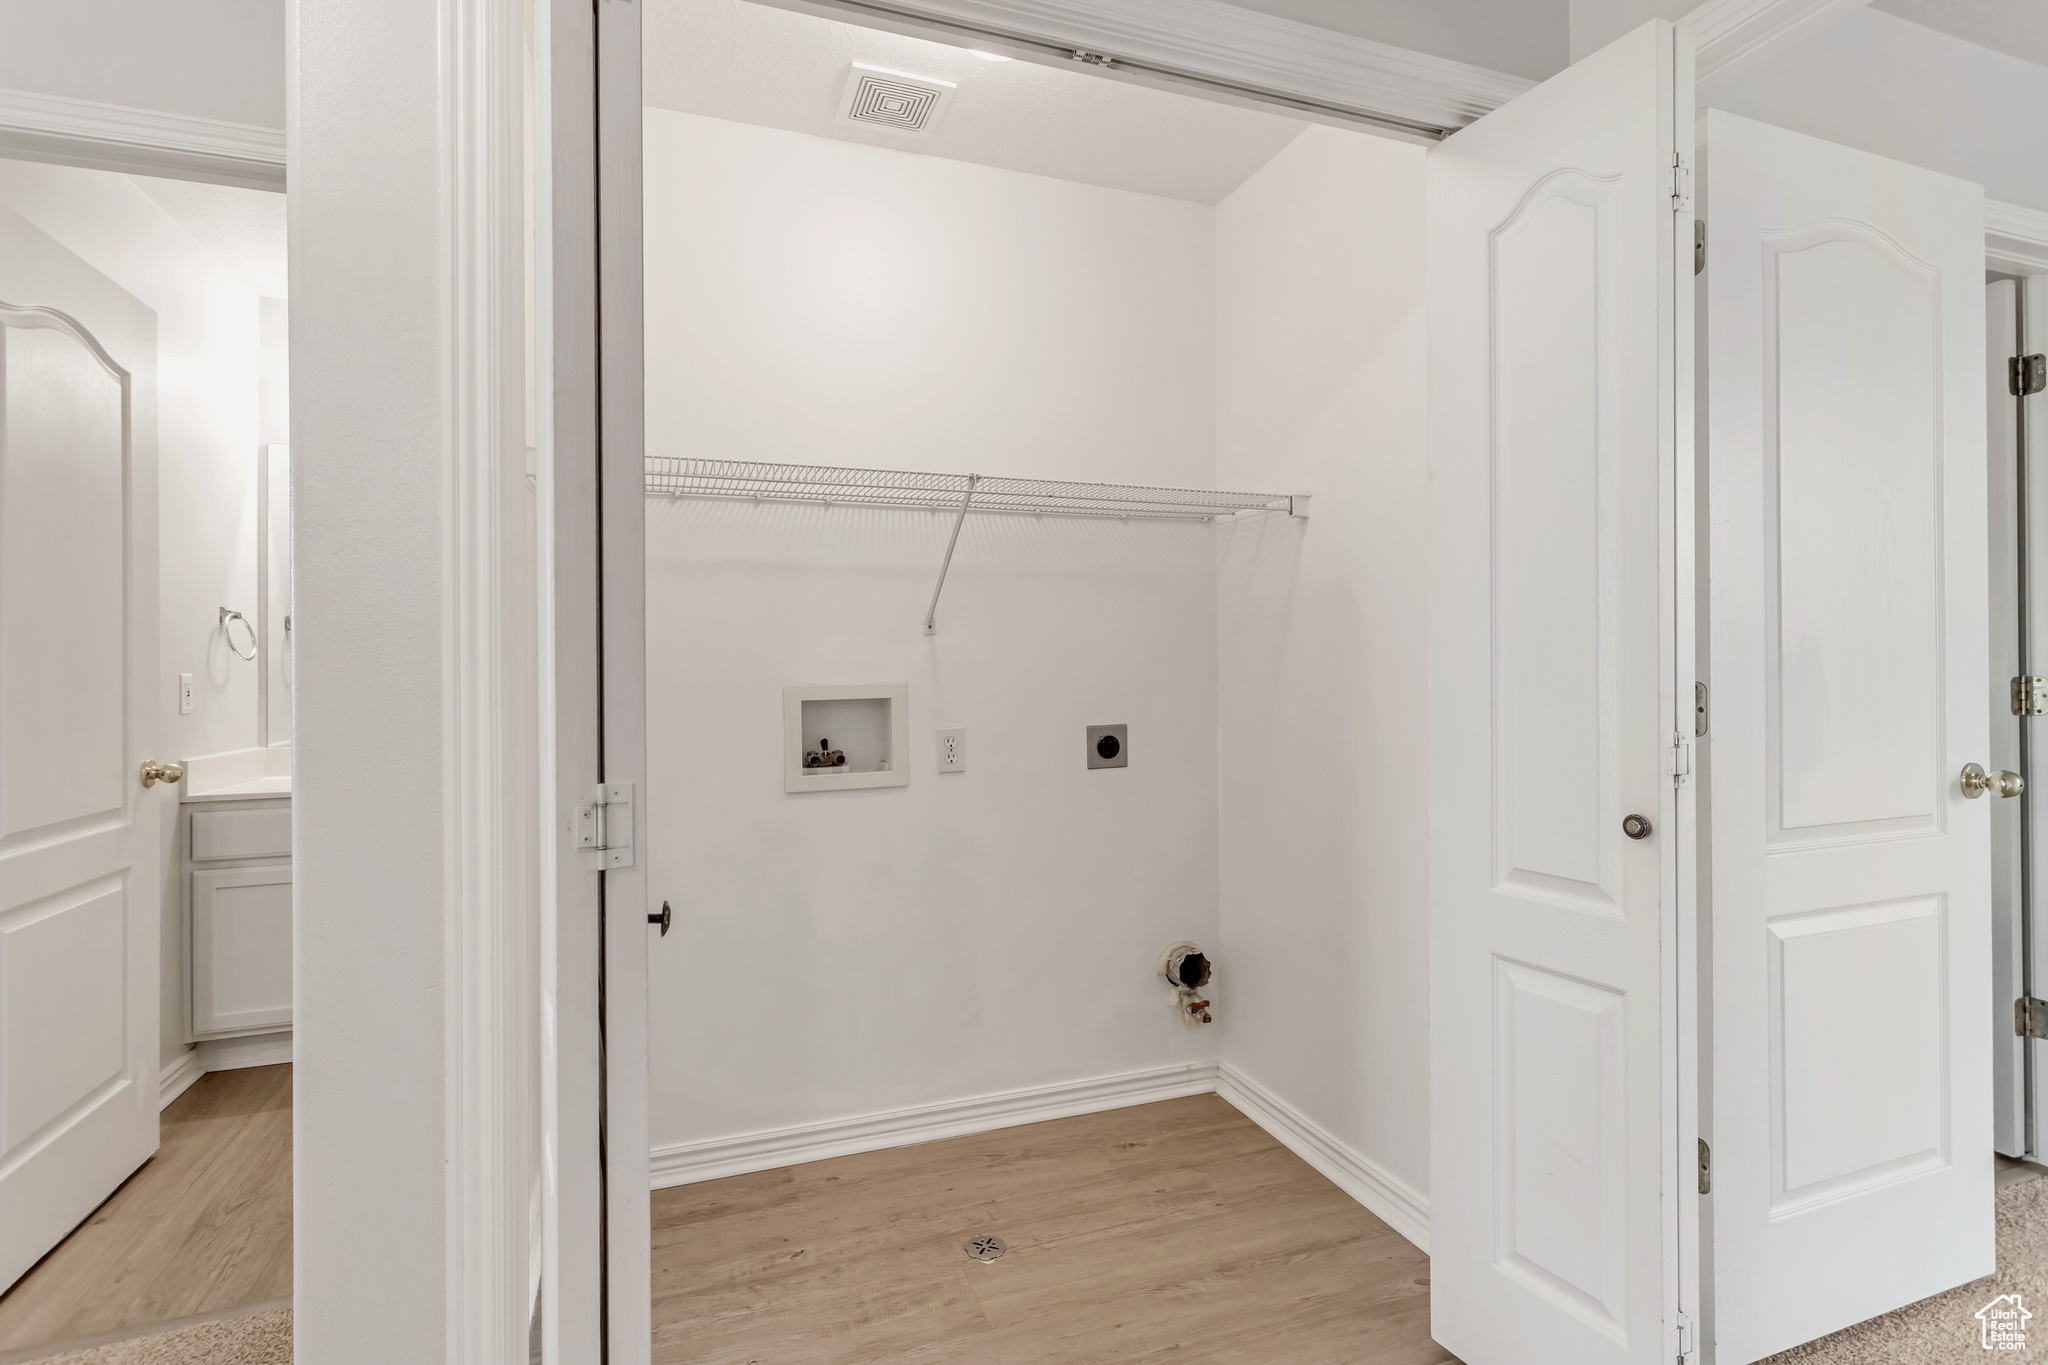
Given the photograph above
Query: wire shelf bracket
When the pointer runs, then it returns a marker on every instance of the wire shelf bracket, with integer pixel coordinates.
(832, 485)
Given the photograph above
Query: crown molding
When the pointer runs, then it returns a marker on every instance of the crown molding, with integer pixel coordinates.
(2016, 238)
(114, 137)
(1735, 35)
(1253, 58)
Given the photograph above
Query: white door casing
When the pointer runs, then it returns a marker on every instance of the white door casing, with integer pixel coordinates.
(1560, 457)
(2002, 545)
(1852, 1092)
(2033, 301)
(79, 876)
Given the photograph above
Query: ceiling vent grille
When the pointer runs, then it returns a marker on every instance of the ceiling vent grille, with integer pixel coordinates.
(895, 101)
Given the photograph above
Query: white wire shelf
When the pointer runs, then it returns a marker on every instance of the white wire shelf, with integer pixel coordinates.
(675, 477)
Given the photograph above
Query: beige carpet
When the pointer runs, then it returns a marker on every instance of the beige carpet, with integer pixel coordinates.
(252, 1339)
(1945, 1328)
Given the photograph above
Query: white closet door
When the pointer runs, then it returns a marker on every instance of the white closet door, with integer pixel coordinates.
(1559, 413)
(1852, 1094)
(79, 875)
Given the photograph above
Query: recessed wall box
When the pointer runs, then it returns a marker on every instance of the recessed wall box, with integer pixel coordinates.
(840, 737)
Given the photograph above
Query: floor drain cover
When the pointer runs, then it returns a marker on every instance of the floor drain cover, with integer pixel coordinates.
(987, 1248)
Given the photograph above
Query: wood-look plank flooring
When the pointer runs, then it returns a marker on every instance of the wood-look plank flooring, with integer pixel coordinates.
(205, 1224)
(1173, 1231)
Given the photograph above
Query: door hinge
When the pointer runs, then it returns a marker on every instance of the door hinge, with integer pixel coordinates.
(1682, 1337)
(2030, 1017)
(1699, 245)
(604, 825)
(1681, 760)
(1706, 1168)
(2027, 374)
(1681, 183)
(2030, 696)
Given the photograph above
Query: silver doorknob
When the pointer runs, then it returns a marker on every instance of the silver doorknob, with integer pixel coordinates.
(1976, 782)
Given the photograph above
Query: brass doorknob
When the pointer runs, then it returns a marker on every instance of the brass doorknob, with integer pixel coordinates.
(1976, 782)
(154, 772)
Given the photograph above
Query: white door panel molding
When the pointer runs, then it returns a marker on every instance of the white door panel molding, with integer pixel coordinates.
(114, 137)
(1164, 42)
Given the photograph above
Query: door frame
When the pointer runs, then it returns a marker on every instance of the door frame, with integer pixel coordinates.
(2016, 245)
(589, 282)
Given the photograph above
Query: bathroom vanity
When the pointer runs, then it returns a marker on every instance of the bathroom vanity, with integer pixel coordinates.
(235, 837)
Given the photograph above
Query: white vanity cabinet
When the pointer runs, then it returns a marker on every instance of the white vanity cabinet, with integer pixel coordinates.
(237, 843)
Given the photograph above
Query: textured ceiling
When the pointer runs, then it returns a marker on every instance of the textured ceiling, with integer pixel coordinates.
(750, 63)
(2018, 28)
(242, 229)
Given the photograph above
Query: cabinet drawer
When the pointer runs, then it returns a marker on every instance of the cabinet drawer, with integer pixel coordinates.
(241, 833)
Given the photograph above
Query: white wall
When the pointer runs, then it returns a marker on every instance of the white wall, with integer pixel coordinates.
(1322, 630)
(208, 361)
(219, 59)
(1883, 85)
(371, 918)
(837, 954)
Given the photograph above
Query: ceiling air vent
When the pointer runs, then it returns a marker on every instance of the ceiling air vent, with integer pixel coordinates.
(893, 100)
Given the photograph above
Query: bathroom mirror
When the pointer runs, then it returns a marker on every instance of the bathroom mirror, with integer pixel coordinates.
(274, 592)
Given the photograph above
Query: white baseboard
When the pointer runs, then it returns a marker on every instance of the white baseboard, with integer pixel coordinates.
(1392, 1200)
(261, 1049)
(689, 1162)
(177, 1077)
(219, 1054)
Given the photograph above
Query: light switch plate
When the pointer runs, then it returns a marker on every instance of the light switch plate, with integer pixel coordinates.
(184, 694)
(953, 751)
(1109, 746)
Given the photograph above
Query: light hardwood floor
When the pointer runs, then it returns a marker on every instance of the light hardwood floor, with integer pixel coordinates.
(204, 1225)
(1174, 1231)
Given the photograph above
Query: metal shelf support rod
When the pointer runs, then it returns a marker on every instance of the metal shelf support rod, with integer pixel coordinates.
(931, 614)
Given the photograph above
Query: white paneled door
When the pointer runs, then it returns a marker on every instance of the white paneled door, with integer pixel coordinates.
(1560, 452)
(79, 875)
(1851, 1081)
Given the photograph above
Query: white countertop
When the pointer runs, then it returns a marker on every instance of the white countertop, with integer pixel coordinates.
(242, 775)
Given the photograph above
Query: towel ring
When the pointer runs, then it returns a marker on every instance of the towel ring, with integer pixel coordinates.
(226, 616)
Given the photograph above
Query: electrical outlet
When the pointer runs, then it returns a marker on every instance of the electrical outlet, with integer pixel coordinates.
(1109, 746)
(184, 694)
(952, 751)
